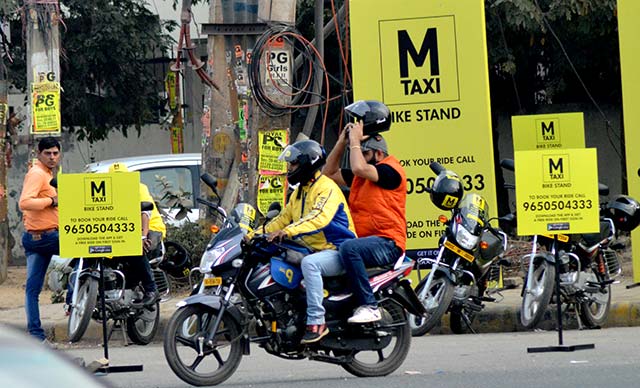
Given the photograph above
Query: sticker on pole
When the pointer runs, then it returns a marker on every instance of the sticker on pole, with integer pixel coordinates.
(100, 215)
(557, 191)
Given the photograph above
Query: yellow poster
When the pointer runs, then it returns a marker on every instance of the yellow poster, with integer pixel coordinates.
(99, 215)
(45, 106)
(427, 60)
(628, 32)
(557, 191)
(170, 89)
(4, 112)
(548, 131)
(271, 188)
(271, 145)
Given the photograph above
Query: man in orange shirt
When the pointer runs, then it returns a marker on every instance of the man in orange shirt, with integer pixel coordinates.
(39, 205)
(377, 200)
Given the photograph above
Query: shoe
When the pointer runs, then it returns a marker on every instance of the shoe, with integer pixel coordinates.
(49, 344)
(67, 309)
(150, 297)
(365, 314)
(314, 333)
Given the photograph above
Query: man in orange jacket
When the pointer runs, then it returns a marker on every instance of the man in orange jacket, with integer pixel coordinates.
(377, 200)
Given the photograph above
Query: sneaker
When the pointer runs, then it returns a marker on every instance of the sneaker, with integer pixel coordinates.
(365, 314)
(67, 309)
(314, 333)
(150, 297)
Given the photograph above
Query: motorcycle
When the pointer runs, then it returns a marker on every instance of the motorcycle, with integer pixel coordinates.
(122, 298)
(467, 258)
(252, 291)
(588, 265)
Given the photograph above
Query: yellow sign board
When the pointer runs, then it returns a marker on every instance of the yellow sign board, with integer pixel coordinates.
(427, 60)
(45, 106)
(271, 145)
(271, 188)
(4, 113)
(100, 215)
(557, 191)
(548, 131)
(628, 32)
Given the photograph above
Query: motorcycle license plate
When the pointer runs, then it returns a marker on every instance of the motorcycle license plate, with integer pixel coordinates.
(458, 251)
(212, 282)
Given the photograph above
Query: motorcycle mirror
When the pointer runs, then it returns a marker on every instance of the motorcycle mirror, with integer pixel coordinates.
(146, 206)
(210, 181)
(436, 167)
(602, 189)
(508, 164)
(274, 210)
(54, 182)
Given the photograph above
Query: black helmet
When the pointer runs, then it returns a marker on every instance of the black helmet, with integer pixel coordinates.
(624, 211)
(309, 155)
(374, 115)
(177, 262)
(446, 190)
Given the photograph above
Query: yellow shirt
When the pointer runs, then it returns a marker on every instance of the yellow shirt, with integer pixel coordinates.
(155, 220)
(35, 199)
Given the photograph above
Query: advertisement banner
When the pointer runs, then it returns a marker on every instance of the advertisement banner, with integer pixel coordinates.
(557, 192)
(548, 131)
(271, 188)
(427, 60)
(100, 215)
(45, 108)
(271, 145)
(628, 32)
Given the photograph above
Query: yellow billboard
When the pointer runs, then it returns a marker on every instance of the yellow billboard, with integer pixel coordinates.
(100, 215)
(557, 191)
(548, 131)
(427, 60)
(629, 31)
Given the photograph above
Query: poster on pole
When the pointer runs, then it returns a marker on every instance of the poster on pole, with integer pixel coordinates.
(271, 188)
(557, 192)
(427, 61)
(99, 214)
(271, 145)
(628, 32)
(548, 131)
(45, 108)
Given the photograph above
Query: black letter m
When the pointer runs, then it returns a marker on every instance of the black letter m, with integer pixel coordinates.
(429, 47)
(547, 129)
(98, 189)
(555, 166)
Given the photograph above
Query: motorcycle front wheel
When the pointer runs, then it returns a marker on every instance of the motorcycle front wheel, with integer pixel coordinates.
(537, 292)
(194, 361)
(81, 313)
(142, 327)
(594, 312)
(436, 301)
(385, 361)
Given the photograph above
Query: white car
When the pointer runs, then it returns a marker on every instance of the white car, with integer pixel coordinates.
(181, 170)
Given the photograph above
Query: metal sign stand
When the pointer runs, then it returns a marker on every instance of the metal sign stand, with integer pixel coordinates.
(108, 368)
(561, 347)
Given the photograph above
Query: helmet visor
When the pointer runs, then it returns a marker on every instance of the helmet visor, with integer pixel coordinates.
(290, 154)
(358, 109)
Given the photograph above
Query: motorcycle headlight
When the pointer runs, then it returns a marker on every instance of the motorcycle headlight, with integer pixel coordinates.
(466, 239)
(208, 258)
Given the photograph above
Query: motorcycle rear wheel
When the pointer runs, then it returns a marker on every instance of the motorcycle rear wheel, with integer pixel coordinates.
(377, 363)
(81, 313)
(143, 327)
(537, 293)
(595, 313)
(181, 343)
(436, 302)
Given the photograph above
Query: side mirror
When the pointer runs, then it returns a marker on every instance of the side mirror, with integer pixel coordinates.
(274, 210)
(146, 206)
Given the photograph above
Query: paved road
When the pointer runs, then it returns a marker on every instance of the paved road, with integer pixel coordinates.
(482, 360)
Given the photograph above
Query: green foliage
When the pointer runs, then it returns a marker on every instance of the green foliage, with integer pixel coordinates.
(193, 236)
(174, 198)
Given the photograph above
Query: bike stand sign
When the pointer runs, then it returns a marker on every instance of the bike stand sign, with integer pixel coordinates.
(100, 218)
(557, 194)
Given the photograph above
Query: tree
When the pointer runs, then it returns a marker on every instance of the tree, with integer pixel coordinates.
(106, 77)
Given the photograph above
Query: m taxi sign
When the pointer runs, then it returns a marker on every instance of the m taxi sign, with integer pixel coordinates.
(548, 131)
(99, 214)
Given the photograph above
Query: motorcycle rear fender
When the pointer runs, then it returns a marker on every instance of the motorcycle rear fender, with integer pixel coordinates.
(214, 302)
(406, 296)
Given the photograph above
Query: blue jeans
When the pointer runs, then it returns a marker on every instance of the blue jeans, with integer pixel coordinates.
(314, 267)
(358, 254)
(38, 252)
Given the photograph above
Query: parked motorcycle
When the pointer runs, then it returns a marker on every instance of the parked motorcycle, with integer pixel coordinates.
(122, 298)
(588, 265)
(468, 252)
(253, 292)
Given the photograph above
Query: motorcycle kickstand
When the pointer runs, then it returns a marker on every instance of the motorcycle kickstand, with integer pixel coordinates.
(575, 309)
(467, 322)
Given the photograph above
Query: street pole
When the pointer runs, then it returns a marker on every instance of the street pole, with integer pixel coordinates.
(5, 252)
(230, 142)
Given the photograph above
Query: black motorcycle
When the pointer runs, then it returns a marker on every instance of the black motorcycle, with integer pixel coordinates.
(252, 291)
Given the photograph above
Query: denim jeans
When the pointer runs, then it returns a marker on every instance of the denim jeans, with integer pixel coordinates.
(360, 253)
(38, 252)
(314, 267)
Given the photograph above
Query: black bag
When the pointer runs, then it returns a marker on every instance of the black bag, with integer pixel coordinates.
(155, 250)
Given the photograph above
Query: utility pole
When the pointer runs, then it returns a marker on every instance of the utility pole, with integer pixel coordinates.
(230, 145)
(5, 252)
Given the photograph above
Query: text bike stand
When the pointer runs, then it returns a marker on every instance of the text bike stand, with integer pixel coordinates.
(108, 368)
(561, 347)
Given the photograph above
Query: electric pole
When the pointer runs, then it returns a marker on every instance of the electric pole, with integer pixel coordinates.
(230, 139)
(5, 252)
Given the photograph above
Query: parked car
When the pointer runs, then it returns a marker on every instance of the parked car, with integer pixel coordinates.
(181, 170)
